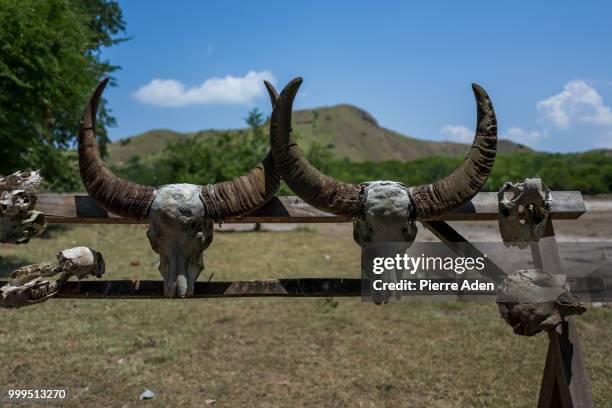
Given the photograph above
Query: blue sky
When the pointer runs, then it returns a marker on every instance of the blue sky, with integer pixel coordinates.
(547, 65)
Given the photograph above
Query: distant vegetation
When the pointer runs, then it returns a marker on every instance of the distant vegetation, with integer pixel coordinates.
(589, 172)
(346, 131)
(222, 156)
(203, 160)
(216, 157)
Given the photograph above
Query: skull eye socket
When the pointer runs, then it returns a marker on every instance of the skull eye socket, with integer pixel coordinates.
(196, 227)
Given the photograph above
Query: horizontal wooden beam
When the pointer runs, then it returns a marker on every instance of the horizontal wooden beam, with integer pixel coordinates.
(81, 209)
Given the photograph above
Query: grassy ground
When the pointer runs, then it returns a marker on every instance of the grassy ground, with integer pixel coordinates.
(271, 352)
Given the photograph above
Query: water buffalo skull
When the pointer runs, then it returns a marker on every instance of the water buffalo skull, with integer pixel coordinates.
(180, 216)
(383, 211)
(179, 232)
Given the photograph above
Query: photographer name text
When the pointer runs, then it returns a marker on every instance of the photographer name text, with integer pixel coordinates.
(429, 285)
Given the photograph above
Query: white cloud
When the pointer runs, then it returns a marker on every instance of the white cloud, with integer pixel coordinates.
(459, 132)
(578, 108)
(577, 103)
(527, 137)
(226, 91)
(464, 134)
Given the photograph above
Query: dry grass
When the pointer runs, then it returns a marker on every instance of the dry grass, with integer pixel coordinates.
(272, 352)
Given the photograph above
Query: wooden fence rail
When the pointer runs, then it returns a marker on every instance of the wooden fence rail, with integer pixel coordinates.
(80, 208)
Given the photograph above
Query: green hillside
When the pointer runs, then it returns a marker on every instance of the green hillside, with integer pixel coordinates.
(349, 132)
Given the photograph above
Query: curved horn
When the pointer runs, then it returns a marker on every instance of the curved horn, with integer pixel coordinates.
(303, 178)
(116, 195)
(466, 180)
(244, 193)
(272, 92)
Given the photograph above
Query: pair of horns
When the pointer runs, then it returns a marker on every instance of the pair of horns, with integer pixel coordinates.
(254, 189)
(132, 200)
(337, 197)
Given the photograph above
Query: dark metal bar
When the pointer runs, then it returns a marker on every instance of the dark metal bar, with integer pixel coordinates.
(303, 287)
(147, 289)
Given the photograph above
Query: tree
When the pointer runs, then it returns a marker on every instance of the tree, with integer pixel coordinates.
(255, 120)
(49, 63)
(206, 159)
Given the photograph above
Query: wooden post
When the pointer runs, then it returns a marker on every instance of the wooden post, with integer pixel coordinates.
(448, 235)
(564, 383)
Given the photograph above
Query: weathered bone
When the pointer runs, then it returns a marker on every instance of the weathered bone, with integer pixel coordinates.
(30, 272)
(80, 262)
(533, 198)
(33, 292)
(386, 214)
(384, 211)
(28, 181)
(14, 203)
(179, 232)
(29, 285)
(387, 218)
(533, 300)
(19, 230)
(180, 215)
(17, 224)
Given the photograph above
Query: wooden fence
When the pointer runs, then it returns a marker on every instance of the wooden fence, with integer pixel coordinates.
(564, 382)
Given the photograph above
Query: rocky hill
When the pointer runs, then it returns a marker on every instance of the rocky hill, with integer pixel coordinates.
(346, 130)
